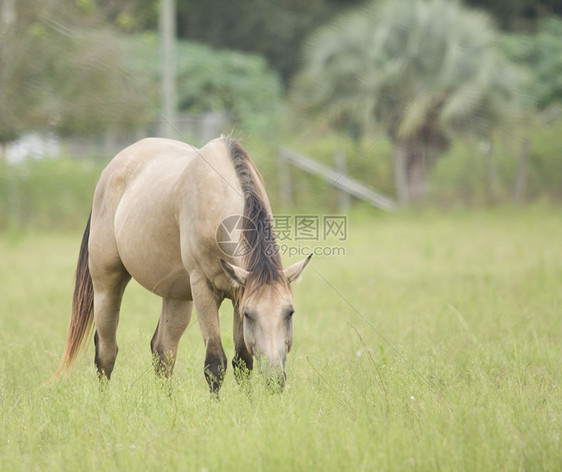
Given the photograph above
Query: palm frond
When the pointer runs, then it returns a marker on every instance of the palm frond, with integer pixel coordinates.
(371, 65)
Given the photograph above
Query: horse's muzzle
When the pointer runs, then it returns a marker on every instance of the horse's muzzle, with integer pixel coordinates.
(275, 375)
(276, 381)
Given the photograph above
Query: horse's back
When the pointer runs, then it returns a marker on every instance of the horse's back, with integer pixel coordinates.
(141, 202)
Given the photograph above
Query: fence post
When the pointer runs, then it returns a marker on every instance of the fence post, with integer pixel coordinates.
(400, 174)
(284, 173)
(521, 172)
(344, 199)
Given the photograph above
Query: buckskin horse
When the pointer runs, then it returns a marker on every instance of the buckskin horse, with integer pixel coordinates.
(158, 216)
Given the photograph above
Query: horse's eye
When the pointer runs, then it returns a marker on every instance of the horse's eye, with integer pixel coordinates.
(247, 315)
(289, 313)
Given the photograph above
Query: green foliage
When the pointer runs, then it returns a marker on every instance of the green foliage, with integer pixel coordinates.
(471, 301)
(48, 193)
(207, 79)
(277, 29)
(545, 166)
(464, 176)
(62, 71)
(274, 29)
(541, 54)
(518, 14)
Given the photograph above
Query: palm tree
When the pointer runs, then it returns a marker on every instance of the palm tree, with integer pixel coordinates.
(418, 70)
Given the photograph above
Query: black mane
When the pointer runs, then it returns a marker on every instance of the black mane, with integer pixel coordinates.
(262, 260)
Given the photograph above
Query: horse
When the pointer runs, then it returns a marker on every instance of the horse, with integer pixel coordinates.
(193, 226)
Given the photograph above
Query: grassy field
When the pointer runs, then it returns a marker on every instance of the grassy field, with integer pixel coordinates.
(433, 344)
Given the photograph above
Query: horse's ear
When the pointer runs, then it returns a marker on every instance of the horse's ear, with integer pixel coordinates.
(295, 271)
(236, 274)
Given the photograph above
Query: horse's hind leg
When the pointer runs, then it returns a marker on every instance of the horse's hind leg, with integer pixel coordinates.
(173, 321)
(108, 293)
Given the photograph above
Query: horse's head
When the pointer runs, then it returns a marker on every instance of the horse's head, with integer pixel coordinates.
(267, 310)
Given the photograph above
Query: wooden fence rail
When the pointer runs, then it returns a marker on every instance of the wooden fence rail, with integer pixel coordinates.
(335, 177)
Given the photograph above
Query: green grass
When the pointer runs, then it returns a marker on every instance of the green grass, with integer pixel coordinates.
(470, 378)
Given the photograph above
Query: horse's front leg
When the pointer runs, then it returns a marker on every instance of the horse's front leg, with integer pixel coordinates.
(207, 302)
(243, 360)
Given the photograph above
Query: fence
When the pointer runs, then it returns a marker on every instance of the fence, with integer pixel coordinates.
(336, 177)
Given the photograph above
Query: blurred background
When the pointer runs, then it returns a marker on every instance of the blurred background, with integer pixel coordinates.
(363, 106)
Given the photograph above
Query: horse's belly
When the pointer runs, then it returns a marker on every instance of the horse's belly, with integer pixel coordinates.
(167, 282)
(151, 254)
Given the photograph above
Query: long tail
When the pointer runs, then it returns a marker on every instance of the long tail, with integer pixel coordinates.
(81, 320)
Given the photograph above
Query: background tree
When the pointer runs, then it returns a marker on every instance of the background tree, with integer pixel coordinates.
(419, 70)
(276, 29)
(233, 82)
(541, 54)
(273, 29)
(18, 77)
(62, 70)
(514, 15)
